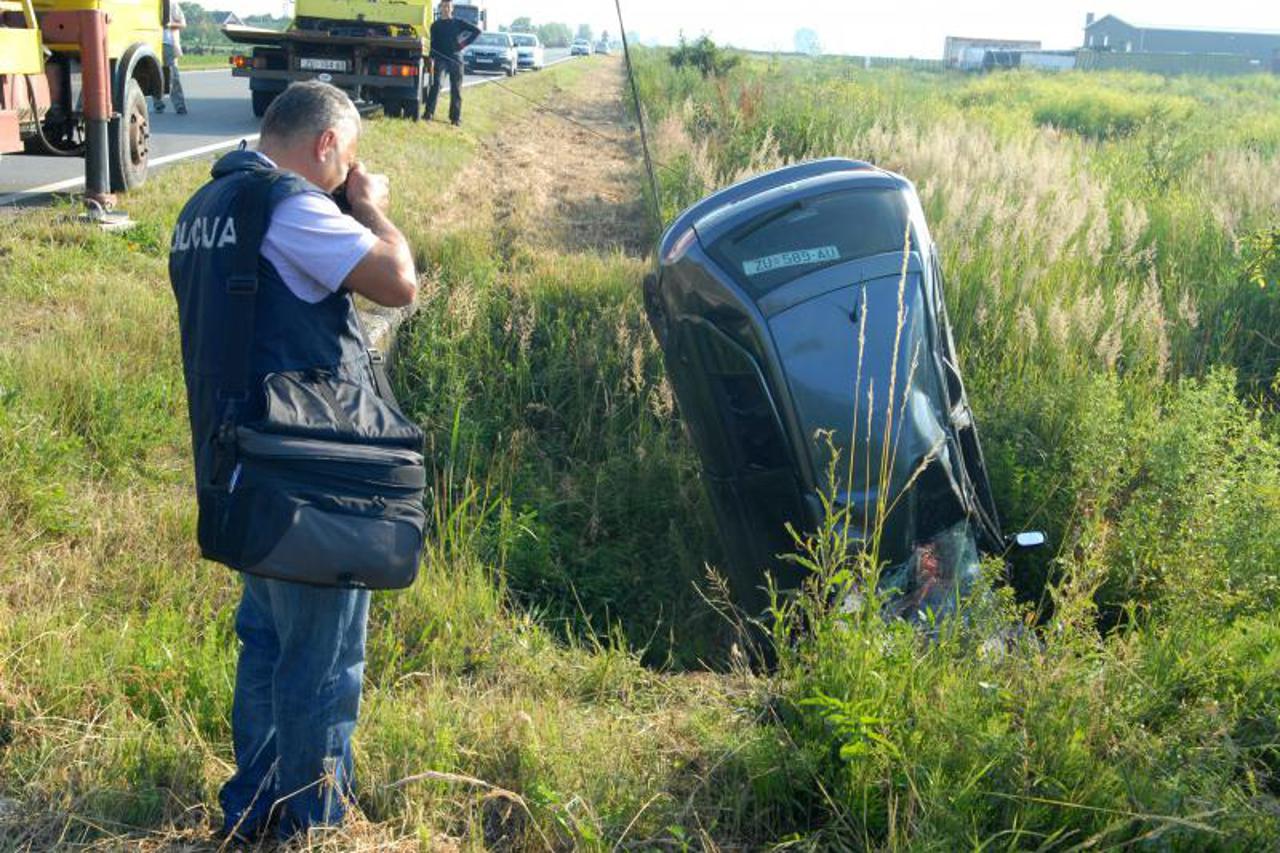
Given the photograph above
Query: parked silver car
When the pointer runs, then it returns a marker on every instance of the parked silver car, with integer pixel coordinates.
(491, 52)
(580, 47)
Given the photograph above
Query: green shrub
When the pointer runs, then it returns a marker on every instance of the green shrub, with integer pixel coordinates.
(704, 55)
(1104, 114)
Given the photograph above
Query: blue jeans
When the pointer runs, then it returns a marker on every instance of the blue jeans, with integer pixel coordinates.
(296, 700)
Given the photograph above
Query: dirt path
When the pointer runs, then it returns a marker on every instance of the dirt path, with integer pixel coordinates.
(565, 178)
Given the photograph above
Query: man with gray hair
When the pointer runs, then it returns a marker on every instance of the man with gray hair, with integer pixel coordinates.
(301, 663)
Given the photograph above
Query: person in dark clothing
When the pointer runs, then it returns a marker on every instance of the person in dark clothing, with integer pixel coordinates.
(449, 35)
(302, 648)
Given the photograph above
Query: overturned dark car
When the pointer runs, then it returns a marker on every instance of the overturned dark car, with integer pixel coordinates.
(801, 315)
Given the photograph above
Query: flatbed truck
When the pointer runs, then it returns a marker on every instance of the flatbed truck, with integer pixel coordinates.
(376, 51)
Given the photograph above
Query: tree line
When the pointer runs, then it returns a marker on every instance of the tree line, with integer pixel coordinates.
(553, 34)
(204, 28)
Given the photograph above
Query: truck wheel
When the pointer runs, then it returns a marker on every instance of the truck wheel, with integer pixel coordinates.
(129, 140)
(391, 108)
(262, 100)
(57, 138)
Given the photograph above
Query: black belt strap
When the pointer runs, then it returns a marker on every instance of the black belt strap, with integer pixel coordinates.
(252, 216)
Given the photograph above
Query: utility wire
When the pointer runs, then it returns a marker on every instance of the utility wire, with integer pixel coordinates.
(644, 136)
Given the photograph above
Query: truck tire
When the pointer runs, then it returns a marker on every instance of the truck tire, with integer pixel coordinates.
(129, 140)
(396, 107)
(262, 100)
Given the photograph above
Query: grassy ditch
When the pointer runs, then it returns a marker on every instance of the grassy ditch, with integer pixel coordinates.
(1111, 339)
(1120, 358)
(115, 679)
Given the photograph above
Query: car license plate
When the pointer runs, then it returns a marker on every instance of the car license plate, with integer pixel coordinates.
(794, 258)
(311, 63)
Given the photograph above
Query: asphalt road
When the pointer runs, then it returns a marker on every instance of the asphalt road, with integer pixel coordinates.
(219, 117)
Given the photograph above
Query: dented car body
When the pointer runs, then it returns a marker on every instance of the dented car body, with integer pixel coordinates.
(801, 315)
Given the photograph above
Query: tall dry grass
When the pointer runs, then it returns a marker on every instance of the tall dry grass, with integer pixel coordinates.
(1120, 362)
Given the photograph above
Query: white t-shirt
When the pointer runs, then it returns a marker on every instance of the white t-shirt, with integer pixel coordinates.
(171, 34)
(313, 245)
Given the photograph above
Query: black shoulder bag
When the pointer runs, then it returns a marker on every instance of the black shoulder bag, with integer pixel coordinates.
(327, 487)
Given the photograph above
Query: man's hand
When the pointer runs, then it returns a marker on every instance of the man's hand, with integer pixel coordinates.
(367, 192)
(386, 274)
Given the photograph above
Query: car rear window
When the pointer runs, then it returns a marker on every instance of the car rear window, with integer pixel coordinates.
(805, 236)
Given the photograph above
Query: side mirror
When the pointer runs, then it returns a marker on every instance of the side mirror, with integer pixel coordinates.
(1028, 539)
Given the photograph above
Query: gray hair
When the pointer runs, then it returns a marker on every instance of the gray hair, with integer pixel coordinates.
(307, 110)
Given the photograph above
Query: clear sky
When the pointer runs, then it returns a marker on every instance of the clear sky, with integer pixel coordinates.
(898, 28)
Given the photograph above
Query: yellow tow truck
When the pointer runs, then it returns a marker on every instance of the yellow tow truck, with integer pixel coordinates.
(74, 76)
(376, 51)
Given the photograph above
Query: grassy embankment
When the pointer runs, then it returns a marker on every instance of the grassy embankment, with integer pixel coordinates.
(115, 676)
(1111, 248)
(1100, 302)
(1102, 235)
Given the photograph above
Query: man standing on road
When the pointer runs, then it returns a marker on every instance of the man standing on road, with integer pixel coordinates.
(298, 679)
(173, 27)
(449, 35)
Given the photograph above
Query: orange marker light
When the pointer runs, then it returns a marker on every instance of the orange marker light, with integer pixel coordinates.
(397, 70)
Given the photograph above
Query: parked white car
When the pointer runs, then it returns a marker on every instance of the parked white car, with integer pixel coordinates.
(580, 47)
(529, 51)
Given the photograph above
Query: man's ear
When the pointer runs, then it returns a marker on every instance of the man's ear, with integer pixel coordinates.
(326, 142)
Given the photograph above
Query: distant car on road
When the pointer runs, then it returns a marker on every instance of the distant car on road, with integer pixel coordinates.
(602, 47)
(529, 51)
(580, 47)
(491, 52)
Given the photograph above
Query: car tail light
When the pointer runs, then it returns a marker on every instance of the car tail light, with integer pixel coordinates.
(396, 69)
(241, 61)
(680, 246)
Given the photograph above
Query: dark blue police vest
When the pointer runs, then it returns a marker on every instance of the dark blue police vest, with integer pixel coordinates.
(289, 334)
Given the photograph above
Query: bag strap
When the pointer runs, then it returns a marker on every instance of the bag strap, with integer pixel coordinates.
(377, 365)
(252, 215)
